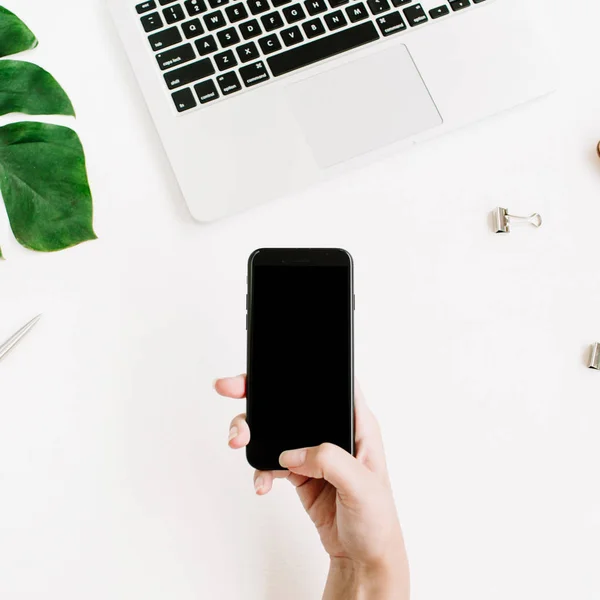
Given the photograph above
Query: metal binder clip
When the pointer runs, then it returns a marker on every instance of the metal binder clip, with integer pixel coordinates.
(503, 220)
(594, 357)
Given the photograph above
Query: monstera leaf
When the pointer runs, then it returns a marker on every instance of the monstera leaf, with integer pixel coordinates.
(15, 36)
(43, 178)
(44, 185)
(27, 88)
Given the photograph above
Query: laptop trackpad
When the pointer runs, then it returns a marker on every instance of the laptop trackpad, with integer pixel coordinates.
(362, 105)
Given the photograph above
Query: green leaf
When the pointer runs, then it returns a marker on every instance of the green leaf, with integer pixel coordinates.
(15, 36)
(27, 88)
(44, 184)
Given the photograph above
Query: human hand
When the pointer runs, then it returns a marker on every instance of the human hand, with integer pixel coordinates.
(348, 499)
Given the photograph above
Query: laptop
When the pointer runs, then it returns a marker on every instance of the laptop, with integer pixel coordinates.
(255, 99)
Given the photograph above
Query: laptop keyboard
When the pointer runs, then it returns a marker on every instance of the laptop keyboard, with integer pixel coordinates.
(210, 49)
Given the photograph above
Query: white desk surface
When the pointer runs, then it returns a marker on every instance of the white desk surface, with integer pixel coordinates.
(115, 477)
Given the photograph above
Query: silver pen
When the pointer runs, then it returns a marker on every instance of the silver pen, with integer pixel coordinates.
(17, 337)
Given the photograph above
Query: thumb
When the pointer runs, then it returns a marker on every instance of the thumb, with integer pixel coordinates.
(329, 462)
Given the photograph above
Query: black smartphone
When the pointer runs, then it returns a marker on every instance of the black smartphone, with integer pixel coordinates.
(300, 386)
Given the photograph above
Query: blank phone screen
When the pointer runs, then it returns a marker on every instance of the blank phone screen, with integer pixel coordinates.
(300, 358)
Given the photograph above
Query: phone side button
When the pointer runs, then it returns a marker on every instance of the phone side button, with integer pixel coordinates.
(353, 302)
(246, 321)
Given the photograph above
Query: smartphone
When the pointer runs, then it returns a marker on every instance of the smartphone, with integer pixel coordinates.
(300, 322)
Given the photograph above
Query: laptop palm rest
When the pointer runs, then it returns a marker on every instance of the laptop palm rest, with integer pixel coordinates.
(362, 105)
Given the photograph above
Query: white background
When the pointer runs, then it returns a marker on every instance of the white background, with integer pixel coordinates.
(115, 477)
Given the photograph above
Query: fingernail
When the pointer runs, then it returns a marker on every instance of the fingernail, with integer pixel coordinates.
(258, 484)
(232, 433)
(292, 458)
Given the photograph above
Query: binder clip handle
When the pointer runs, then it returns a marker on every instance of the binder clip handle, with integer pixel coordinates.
(503, 220)
(594, 362)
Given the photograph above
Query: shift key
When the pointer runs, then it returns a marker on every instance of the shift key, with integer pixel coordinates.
(198, 70)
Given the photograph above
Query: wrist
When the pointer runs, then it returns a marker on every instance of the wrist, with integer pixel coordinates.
(384, 580)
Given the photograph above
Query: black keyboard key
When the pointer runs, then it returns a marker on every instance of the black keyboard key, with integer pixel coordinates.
(145, 7)
(253, 74)
(415, 15)
(357, 12)
(192, 28)
(336, 3)
(195, 7)
(459, 4)
(272, 21)
(175, 56)
(236, 13)
(291, 36)
(250, 29)
(335, 20)
(258, 6)
(217, 3)
(390, 24)
(278, 3)
(151, 22)
(478, 1)
(225, 60)
(214, 20)
(229, 83)
(293, 13)
(247, 52)
(163, 2)
(378, 6)
(206, 91)
(313, 28)
(323, 48)
(228, 37)
(184, 100)
(173, 14)
(315, 7)
(401, 2)
(206, 45)
(269, 43)
(440, 11)
(198, 70)
(164, 39)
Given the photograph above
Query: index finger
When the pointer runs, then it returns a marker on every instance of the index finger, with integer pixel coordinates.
(231, 387)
